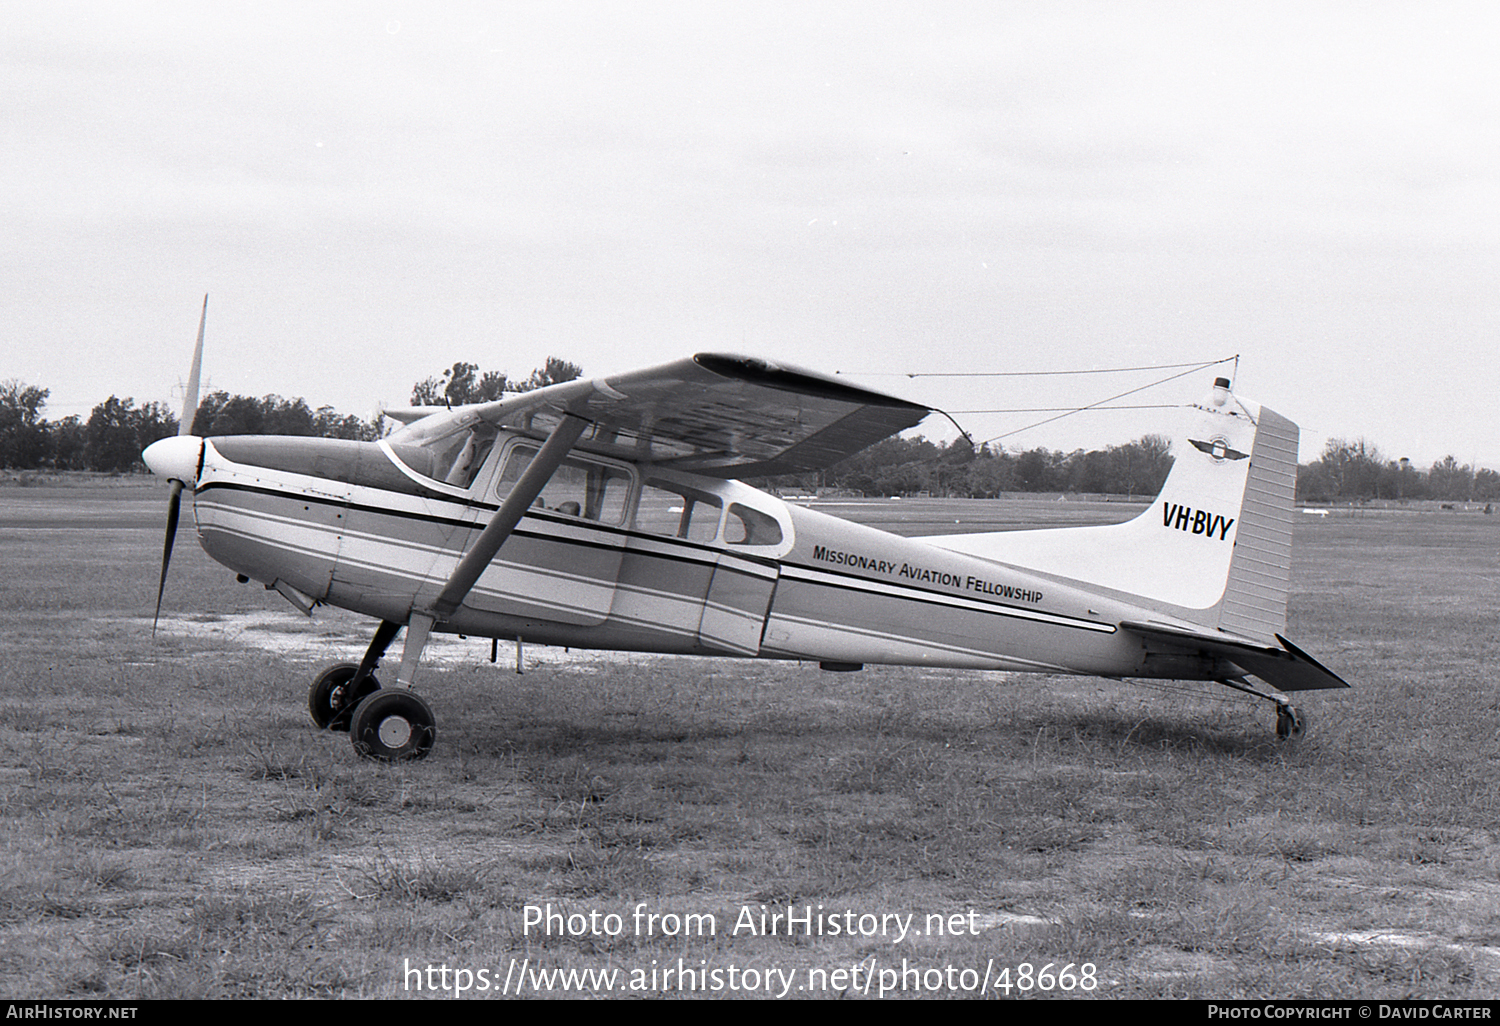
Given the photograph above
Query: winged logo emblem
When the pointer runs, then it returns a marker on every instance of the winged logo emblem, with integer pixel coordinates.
(1219, 449)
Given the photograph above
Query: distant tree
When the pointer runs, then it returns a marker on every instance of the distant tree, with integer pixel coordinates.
(24, 441)
(1087, 471)
(874, 471)
(1351, 469)
(327, 423)
(899, 465)
(69, 444)
(154, 421)
(427, 392)
(1486, 485)
(1140, 467)
(1400, 480)
(286, 416)
(554, 372)
(458, 385)
(1448, 480)
(223, 414)
(1034, 470)
(462, 383)
(1314, 483)
(117, 431)
(989, 474)
(950, 470)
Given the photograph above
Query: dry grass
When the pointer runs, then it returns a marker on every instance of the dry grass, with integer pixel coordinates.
(172, 826)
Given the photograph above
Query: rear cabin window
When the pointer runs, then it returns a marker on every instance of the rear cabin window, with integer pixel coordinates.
(578, 488)
(678, 512)
(746, 526)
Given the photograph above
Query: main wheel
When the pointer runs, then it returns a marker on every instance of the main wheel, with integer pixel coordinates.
(393, 726)
(330, 700)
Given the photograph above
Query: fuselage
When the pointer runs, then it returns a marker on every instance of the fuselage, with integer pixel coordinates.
(636, 557)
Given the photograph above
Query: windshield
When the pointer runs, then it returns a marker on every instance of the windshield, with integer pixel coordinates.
(452, 459)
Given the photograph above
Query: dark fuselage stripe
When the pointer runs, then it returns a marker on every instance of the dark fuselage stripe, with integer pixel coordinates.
(696, 553)
(818, 576)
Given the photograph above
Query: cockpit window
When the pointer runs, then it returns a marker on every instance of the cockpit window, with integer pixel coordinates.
(578, 488)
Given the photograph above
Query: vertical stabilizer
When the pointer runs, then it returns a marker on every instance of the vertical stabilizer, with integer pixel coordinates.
(1214, 547)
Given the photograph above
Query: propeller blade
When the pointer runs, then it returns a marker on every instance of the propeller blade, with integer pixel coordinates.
(174, 509)
(178, 461)
(190, 399)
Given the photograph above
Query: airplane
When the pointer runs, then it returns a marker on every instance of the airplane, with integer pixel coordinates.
(610, 513)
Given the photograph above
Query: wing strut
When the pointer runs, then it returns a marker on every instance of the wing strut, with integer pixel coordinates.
(533, 480)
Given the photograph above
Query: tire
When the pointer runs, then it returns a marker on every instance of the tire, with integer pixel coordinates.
(329, 700)
(393, 726)
(1291, 723)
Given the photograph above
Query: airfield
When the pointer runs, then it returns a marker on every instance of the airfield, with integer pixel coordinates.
(175, 827)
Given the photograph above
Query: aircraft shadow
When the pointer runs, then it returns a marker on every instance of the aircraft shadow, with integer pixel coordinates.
(1087, 731)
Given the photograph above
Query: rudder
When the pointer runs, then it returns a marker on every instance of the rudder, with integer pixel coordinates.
(1255, 595)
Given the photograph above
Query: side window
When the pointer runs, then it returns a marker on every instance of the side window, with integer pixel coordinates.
(677, 512)
(578, 488)
(746, 526)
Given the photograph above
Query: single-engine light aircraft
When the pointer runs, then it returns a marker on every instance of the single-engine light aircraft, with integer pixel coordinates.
(609, 513)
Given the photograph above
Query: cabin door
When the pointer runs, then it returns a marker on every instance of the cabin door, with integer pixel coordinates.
(562, 562)
(739, 599)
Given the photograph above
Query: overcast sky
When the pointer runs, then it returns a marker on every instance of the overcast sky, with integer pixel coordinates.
(370, 192)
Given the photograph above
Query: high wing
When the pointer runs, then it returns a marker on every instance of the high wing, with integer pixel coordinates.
(714, 414)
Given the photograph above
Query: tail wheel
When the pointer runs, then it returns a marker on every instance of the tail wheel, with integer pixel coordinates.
(331, 700)
(1290, 723)
(393, 726)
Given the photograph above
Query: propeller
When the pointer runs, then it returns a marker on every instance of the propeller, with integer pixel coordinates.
(177, 459)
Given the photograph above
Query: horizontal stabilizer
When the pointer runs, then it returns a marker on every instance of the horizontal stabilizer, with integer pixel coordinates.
(1286, 668)
(411, 414)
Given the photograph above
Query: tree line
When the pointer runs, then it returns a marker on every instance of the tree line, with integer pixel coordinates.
(1356, 471)
(111, 439)
(115, 432)
(1347, 471)
(916, 466)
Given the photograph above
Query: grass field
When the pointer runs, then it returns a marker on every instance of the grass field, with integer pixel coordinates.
(173, 826)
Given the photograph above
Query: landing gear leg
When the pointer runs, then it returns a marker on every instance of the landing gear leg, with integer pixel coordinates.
(384, 635)
(1291, 723)
(340, 688)
(397, 724)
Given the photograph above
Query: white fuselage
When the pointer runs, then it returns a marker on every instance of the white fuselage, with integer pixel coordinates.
(350, 524)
